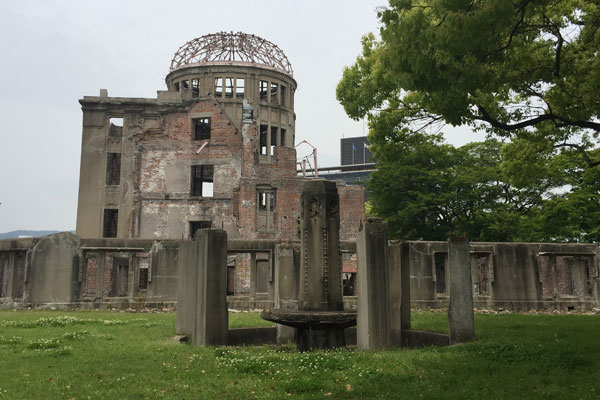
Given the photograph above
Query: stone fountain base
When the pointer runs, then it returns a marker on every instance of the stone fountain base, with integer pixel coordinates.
(315, 329)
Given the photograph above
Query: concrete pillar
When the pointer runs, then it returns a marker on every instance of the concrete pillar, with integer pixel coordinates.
(253, 282)
(287, 279)
(100, 275)
(321, 275)
(202, 288)
(269, 133)
(9, 271)
(406, 296)
(253, 275)
(460, 310)
(373, 312)
(321, 262)
(399, 291)
(186, 284)
(53, 274)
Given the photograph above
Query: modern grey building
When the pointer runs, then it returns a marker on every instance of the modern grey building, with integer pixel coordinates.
(355, 150)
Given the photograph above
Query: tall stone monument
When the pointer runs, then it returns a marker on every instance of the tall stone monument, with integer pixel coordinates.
(320, 319)
(321, 268)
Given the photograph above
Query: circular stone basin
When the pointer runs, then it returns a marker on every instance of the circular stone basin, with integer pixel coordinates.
(315, 320)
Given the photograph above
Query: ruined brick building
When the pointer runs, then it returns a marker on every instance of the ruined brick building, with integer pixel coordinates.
(216, 149)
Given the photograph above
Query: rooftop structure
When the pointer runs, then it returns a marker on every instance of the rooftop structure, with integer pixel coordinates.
(231, 49)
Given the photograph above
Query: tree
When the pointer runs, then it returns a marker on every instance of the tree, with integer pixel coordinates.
(573, 213)
(523, 69)
(429, 190)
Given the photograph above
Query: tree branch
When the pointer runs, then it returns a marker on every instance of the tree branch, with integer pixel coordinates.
(508, 127)
(581, 150)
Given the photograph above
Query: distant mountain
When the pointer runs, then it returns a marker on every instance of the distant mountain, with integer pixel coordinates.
(16, 234)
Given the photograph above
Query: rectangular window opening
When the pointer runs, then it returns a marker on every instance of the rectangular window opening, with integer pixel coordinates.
(263, 139)
(185, 84)
(264, 88)
(239, 88)
(202, 180)
(115, 127)
(266, 200)
(566, 283)
(218, 87)
(111, 219)
(231, 279)
(113, 168)
(122, 278)
(176, 86)
(229, 87)
(274, 132)
(274, 93)
(143, 284)
(483, 275)
(196, 225)
(441, 261)
(348, 283)
(283, 143)
(201, 128)
(195, 87)
(262, 276)
(119, 277)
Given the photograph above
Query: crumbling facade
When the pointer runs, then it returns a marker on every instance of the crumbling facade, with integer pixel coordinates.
(216, 149)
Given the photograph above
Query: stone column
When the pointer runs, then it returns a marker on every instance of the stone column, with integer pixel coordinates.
(399, 291)
(186, 283)
(253, 277)
(321, 263)
(373, 313)
(460, 310)
(321, 277)
(9, 272)
(202, 289)
(287, 277)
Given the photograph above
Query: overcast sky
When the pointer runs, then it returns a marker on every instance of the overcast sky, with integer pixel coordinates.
(56, 52)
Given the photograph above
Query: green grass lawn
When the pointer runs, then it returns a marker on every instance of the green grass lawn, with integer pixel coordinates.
(111, 355)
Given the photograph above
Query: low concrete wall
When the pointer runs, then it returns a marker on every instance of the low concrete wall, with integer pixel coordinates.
(512, 276)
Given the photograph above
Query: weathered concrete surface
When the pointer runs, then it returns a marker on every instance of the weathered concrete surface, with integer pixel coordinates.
(202, 299)
(399, 291)
(52, 274)
(320, 279)
(186, 285)
(515, 276)
(162, 276)
(373, 314)
(460, 310)
(287, 280)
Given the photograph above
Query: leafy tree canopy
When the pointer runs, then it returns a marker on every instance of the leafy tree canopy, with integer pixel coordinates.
(525, 69)
(429, 190)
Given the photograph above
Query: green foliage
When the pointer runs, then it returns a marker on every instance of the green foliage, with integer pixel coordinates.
(490, 191)
(529, 70)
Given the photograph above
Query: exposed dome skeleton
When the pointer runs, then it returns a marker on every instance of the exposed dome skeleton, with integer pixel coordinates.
(231, 48)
